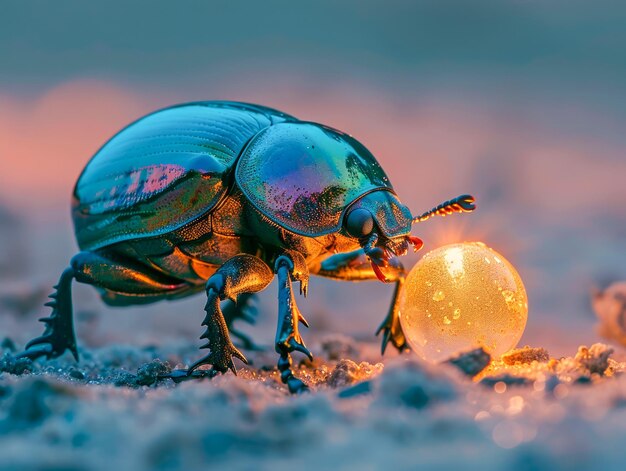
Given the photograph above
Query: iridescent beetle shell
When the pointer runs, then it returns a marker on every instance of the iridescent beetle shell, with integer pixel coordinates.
(163, 171)
(303, 176)
(172, 166)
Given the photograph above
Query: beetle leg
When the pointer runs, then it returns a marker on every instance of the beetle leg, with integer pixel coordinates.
(290, 267)
(59, 334)
(240, 274)
(355, 266)
(390, 327)
(122, 282)
(245, 310)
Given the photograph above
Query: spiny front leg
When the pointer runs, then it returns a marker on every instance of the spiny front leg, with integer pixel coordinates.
(240, 274)
(356, 266)
(104, 270)
(59, 333)
(244, 309)
(218, 339)
(290, 267)
(390, 327)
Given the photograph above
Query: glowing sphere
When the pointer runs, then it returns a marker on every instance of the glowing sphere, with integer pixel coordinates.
(461, 296)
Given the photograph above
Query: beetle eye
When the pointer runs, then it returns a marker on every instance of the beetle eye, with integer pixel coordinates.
(359, 222)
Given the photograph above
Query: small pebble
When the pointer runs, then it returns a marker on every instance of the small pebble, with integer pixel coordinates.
(526, 355)
(472, 362)
(76, 374)
(8, 345)
(348, 372)
(594, 358)
(16, 366)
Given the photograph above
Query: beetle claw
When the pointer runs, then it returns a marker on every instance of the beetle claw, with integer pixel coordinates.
(221, 360)
(246, 311)
(416, 242)
(302, 320)
(36, 348)
(300, 347)
(379, 274)
(385, 341)
(304, 287)
(379, 256)
(392, 332)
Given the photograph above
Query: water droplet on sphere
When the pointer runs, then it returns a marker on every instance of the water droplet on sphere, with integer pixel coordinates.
(509, 296)
(439, 296)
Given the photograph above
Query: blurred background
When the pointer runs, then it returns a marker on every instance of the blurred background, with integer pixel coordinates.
(521, 103)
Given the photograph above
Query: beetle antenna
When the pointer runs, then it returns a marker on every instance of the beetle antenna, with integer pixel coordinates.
(460, 204)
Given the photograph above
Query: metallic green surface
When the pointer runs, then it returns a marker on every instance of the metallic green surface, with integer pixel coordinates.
(163, 171)
(303, 176)
(391, 216)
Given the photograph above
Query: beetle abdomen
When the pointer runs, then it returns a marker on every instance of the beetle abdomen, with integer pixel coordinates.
(163, 171)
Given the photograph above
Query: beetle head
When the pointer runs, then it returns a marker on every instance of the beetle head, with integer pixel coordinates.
(382, 225)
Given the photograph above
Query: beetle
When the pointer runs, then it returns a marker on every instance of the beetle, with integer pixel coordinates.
(223, 196)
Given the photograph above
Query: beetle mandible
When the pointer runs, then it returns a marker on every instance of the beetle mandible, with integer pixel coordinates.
(222, 196)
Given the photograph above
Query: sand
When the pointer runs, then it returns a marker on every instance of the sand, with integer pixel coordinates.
(110, 411)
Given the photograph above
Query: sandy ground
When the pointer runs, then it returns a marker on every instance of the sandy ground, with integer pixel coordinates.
(110, 411)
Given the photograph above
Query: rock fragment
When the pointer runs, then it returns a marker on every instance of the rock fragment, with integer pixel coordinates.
(595, 358)
(526, 355)
(610, 308)
(147, 375)
(338, 346)
(472, 362)
(16, 366)
(348, 372)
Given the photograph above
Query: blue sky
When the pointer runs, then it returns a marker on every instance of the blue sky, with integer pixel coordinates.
(570, 49)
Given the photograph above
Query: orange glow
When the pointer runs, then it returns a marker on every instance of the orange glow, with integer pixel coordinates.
(462, 296)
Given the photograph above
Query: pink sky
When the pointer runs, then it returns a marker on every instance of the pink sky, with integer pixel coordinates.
(431, 150)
